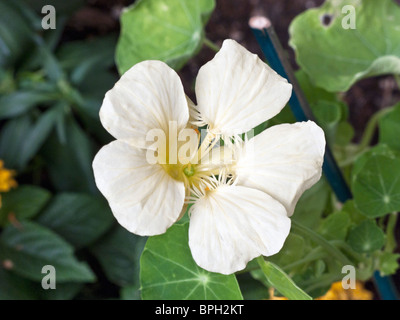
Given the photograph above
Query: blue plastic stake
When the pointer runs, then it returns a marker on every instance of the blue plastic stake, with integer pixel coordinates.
(275, 55)
(271, 47)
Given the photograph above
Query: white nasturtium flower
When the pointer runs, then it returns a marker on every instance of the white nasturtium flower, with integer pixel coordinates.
(242, 196)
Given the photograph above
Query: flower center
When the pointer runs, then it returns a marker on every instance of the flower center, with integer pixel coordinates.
(189, 170)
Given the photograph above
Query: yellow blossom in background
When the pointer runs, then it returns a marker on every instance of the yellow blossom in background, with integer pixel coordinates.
(6, 179)
(337, 292)
(273, 297)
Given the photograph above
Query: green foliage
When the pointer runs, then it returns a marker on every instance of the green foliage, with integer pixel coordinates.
(334, 57)
(389, 129)
(281, 281)
(50, 94)
(78, 218)
(366, 237)
(15, 44)
(170, 31)
(335, 226)
(28, 247)
(376, 190)
(25, 202)
(119, 253)
(168, 271)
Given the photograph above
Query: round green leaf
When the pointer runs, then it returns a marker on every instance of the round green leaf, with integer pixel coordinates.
(168, 271)
(335, 226)
(366, 237)
(336, 57)
(389, 128)
(388, 263)
(376, 186)
(380, 149)
(292, 251)
(166, 30)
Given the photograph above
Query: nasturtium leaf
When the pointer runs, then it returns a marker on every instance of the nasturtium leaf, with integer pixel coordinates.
(335, 57)
(328, 115)
(22, 203)
(168, 271)
(376, 186)
(344, 133)
(335, 226)
(366, 237)
(388, 263)
(329, 111)
(380, 149)
(292, 251)
(281, 281)
(168, 30)
(311, 204)
(389, 128)
(313, 93)
(119, 255)
(355, 215)
(79, 218)
(28, 247)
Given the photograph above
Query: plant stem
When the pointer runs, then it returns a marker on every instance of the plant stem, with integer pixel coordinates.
(332, 250)
(345, 247)
(322, 281)
(211, 45)
(371, 126)
(390, 229)
(315, 254)
(278, 279)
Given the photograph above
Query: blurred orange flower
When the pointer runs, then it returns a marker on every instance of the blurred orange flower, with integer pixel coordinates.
(337, 292)
(7, 180)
